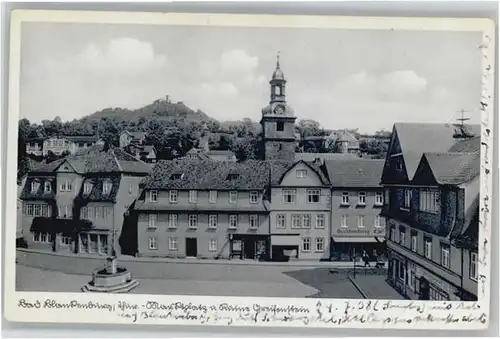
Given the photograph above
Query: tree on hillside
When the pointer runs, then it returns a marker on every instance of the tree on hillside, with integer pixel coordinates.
(308, 127)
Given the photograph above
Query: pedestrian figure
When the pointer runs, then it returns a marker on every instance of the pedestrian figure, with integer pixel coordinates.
(366, 259)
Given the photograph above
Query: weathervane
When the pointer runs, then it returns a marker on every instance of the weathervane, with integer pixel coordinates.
(278, 60)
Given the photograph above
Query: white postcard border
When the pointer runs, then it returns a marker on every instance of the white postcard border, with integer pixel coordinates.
(43, 307)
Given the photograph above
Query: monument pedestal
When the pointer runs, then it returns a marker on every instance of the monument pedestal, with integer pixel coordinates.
(111, 279)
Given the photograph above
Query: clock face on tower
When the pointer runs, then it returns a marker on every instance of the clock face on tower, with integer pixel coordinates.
(279, 109)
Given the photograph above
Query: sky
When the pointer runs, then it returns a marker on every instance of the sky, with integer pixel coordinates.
(366, 79)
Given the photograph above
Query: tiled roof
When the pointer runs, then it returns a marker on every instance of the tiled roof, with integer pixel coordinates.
(97, 160)
(96, 193)
(220, 152)
(310, 157)
(345, 136)
(50, 167)
(469, 145)
(138, 135)
(81, 138)
(356, 173)
(40, 194)
(205, 174)
(418, 138)
(453, 168)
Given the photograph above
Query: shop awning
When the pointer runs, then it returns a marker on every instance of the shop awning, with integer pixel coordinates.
(285, 240)
(354, 239)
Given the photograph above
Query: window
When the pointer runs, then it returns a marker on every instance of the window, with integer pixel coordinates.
(254, 197)
(361, 221)
(289, 196)
(428, 248)
(343, 220)
(320, 221)
(193, 196)
(429, 201)
(47, 187)
(307, 220)
(91, 211)
(280, 221)
(212, 197)
(193, 221)
(473, 269)
(173, 196)
(212, 245)
(345, 198)
(84, 213)
(42, 237)
(233, 176)
(402, 270)
(178, 176)
(153, 196)
(407, 199)
(379, 221)
(65, 241)
(414, 241)
(402, 237)
(313, 196)
(172, 221)
(212, 221)
(412, 281)
(98, 211)
(36, 210)
(106, 189)
(301, 173)
(379, 199)
(130, 188)
(233, 221)
(172, 244)
(392, 234)
(153, 221)
(29, 209)
(233, 196)
(296, 221)
(320, 244)
(306, 244)
(153, 243)
(87, 188)
(445, 255)
(35, 185)
(435, 294)
(362, 198)
(254, 221)
(69, 186)
(280, 126)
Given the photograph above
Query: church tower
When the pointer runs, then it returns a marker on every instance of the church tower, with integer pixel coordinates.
(278, 121)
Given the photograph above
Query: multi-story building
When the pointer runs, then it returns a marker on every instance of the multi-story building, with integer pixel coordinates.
(79, 203)
(208, 209)
(128, 138)
(69, 144)
(34, 146)
(356, 203)
(431, 182)
(300, 212)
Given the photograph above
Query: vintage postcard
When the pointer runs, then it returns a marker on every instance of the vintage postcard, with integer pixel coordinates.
(262, 170)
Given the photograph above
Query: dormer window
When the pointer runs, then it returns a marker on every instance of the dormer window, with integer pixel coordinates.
(106, 187)
(47, 187)
(87, 188)
(153, 196)
(254, 197)
(177, 176)
(233, 176)
(35, 185)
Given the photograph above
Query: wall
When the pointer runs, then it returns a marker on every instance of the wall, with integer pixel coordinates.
(127, 193)
(469, 284)
(280, 150)
(270, 128)
(369, 211)
(26, 222)
(202, 233)
(301, 185)
(66, 198)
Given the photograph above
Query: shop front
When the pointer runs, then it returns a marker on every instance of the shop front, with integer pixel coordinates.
(249, 246)
(284, 247)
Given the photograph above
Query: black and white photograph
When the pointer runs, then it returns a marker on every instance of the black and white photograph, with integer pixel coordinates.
(250, 161)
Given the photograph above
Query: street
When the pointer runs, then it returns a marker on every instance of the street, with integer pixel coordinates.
(220, 279)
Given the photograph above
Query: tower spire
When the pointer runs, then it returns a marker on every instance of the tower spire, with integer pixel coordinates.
(278, 60)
